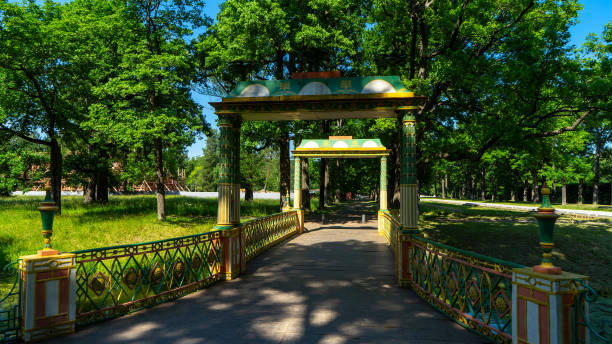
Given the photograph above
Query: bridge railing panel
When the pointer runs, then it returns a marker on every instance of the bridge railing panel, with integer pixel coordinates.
(473, 289)
(265, 232)
(114, 281)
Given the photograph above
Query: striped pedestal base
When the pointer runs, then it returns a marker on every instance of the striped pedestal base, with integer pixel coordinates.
(48, 296)
(224, 213)
(543, 307)
(409, 210)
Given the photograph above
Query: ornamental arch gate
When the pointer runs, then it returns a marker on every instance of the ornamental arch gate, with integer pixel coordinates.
(315, 98)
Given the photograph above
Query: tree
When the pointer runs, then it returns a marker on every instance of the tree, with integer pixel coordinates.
(38, 90)
(272, 39)
(151, 95)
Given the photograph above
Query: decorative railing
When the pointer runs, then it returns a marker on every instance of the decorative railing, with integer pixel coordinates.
(473, 289)
(264, 232)
(597, 329)
(390, 229)
(114, 281)
(10, 310)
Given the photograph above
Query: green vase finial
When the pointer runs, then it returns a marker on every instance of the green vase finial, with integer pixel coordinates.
(47, 212)
(546, 225)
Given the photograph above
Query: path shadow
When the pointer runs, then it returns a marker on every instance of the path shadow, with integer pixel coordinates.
(332, 286)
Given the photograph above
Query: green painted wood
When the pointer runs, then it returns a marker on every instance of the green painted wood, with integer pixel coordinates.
(294, 87)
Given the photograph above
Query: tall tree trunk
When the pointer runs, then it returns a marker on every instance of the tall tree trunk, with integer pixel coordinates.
(515, 186)
(435, 184)
(563, 191)
(89, 192)
(464, 188)
(443, 187)
(580, 190)
(102, 186)
(324, 171)
(483, 186)
(284, 163)
(248, 192)
(445, 190)
(56, 173)
(337, 192)
(535, 193)
(596, 174)
(525, 193)
(159, 180)
(553, 195)
(305, 185)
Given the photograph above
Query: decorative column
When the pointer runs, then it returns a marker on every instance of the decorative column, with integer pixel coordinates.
(297, 191)
(545, 308)
(48, 294)
(225, 173)
(409, 214)
(228, 213)
(235, 176)
(383, 183)
(383, 193)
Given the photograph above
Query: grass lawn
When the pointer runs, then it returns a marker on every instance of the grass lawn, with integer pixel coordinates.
(124, 220)
(583, 247)
(598, 207)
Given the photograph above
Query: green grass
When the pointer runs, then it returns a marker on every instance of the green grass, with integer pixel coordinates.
(598, 207)
(124, 220)
(583, 248)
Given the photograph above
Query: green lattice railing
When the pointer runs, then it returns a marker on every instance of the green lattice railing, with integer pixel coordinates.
(473, 289)
(264, 232)
(390, 229)
(10, 304)
(114, 281)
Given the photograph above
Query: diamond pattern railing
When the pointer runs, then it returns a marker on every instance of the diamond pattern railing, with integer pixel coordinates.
(10, 303)
(114, 281)
(264, 232)
(473, 289)
(390, 229)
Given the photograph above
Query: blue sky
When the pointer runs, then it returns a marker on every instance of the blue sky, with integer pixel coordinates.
(594, 15)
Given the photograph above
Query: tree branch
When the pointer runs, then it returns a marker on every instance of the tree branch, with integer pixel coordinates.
(562, 130)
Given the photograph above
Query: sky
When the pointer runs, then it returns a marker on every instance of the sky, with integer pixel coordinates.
(593, 17)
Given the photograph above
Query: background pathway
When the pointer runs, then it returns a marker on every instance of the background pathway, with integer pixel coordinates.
(593, 213)
(333, 284)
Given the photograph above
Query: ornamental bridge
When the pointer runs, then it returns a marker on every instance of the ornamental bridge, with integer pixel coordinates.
(291, 279)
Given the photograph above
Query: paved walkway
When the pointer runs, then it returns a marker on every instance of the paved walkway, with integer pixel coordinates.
(591, 213)
(333, 284)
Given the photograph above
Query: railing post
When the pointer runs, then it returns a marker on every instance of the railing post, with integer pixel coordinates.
(48, 294)
(544, 297)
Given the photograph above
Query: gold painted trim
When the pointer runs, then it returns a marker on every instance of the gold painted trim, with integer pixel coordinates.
(331, 149)
(369, 96)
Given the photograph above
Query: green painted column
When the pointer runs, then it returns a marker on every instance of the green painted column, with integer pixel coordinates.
(297, 183)
(235, 175)
(409, 213)
(383, 183)
(225, 172)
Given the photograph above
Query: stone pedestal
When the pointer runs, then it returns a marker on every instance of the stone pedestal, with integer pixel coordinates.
(544, 309)
(48, 296)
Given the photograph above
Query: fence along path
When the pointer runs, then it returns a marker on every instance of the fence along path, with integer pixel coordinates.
(333, 284)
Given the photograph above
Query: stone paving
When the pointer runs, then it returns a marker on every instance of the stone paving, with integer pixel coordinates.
(333, 284)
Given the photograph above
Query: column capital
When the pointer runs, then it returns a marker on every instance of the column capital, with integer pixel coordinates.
(407, 115)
